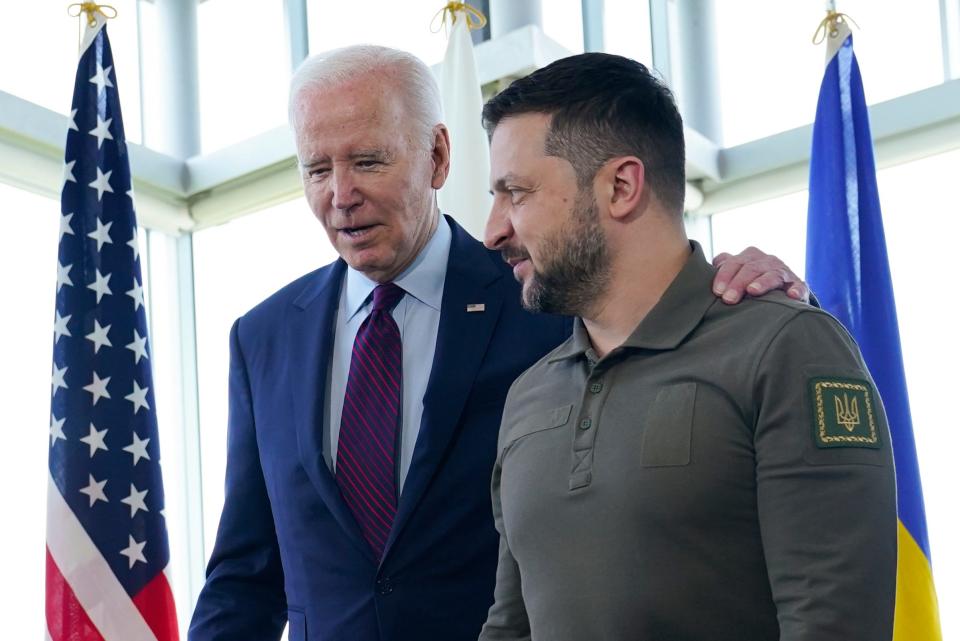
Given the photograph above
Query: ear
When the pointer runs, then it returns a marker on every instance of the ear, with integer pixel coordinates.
(440, 155)
(627, 179)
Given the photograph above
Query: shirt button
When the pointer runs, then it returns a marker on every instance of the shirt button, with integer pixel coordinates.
(595, 388)
(585, 424)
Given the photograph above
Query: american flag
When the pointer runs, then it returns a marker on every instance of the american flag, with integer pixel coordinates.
(106, 537)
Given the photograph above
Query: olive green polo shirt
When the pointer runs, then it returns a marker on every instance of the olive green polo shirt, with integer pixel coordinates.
(725, 474)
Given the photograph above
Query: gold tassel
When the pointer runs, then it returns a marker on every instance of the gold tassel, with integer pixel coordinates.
(829, 26)
(91, 9)
(474, 17)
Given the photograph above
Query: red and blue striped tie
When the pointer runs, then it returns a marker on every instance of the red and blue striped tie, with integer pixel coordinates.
(366, 450)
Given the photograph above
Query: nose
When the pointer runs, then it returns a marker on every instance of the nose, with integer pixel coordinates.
(345, 195)
(499, 230)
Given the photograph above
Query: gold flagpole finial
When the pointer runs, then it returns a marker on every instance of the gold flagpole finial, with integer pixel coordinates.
(829, 27)
(91, 9)
(474, 17)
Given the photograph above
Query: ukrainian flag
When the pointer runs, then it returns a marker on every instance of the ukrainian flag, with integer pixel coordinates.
(847, 267)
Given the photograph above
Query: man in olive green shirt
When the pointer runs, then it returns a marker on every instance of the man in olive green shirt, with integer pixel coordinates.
(679, 469)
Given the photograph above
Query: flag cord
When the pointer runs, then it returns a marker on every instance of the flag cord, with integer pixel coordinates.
(91, 9)
(474, 17)
(829, 27)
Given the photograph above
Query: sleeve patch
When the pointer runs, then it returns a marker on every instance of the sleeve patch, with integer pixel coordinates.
(844, 413)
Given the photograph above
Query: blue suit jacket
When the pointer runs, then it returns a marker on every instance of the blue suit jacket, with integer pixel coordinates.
(288, 547)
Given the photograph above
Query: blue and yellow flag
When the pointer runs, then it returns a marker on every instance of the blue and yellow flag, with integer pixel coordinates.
(847, 267)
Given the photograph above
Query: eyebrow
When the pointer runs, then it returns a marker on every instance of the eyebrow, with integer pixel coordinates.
(313, 163)
(380, 154)
(500, 185)
(369, 153)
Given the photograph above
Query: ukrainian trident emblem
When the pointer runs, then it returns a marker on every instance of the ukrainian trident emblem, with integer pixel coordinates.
(848, 412)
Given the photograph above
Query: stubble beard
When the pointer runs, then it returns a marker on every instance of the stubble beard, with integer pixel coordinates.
(576, 269)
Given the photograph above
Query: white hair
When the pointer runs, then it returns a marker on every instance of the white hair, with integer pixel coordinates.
(413, 79)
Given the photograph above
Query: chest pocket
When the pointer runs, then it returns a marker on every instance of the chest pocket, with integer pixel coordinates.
(538, 422)
(668, 427)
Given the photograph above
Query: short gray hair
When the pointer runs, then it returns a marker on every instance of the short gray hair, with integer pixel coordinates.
(414, 79)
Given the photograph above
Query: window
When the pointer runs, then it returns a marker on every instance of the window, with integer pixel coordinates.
(236, 266)
(626, 29)
(777, 226)
(401, 25)
(244, 65)
(563, 22)
(921, 221)
(26, 343)
(770, 72)
(40, 63)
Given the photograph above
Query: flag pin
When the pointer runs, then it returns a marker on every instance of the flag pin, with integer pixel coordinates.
(476, 307)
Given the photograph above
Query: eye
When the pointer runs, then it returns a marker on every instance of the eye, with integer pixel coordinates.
(368, 164)
(318, 172)
(516, 195)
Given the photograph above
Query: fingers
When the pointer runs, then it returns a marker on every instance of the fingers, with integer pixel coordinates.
(730, 279)
(727, 267)
(766, 282)
(721, 258)
(752, 279)
(799, 291)
(752, 272)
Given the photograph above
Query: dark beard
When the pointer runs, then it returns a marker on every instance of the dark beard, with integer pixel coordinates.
(576, 268)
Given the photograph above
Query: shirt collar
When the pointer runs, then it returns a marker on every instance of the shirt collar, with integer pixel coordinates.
(423, 279)
(676, 314)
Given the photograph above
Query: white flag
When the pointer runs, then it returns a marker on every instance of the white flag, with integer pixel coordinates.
(466, 194)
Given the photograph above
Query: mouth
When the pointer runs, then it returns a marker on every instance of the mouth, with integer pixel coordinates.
(518, 265)
(358, 232)
(514, 255)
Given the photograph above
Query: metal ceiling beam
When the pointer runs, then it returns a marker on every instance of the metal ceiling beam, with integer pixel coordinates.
(261, 171)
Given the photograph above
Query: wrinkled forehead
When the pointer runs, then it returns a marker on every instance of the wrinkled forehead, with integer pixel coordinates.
(372, 96)
(360, 112)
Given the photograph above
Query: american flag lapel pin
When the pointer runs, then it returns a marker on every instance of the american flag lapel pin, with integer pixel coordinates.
(476, 307)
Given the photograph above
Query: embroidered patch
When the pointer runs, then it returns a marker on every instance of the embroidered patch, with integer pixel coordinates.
(844, 413)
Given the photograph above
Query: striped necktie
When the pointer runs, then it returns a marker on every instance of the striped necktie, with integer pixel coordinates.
(366, 450)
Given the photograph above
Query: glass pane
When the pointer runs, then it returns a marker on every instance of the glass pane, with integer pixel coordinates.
(924, 301)
(777, 226)
(26, 332)
(236, 266)
(770, 73)
(401, 25)
(626, 29)
(158, 254)
(40, 63)
(563, 21)
(920, 209)
(244, 70)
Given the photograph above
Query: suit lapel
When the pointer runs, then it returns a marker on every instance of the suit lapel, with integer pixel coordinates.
(462, 340)
(310, 350)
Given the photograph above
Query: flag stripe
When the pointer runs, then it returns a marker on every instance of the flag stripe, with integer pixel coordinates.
(916, 615)
(88, 575)
(155, 603)
(67, 620)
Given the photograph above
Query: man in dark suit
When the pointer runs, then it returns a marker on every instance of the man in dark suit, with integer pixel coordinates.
(365, 397)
